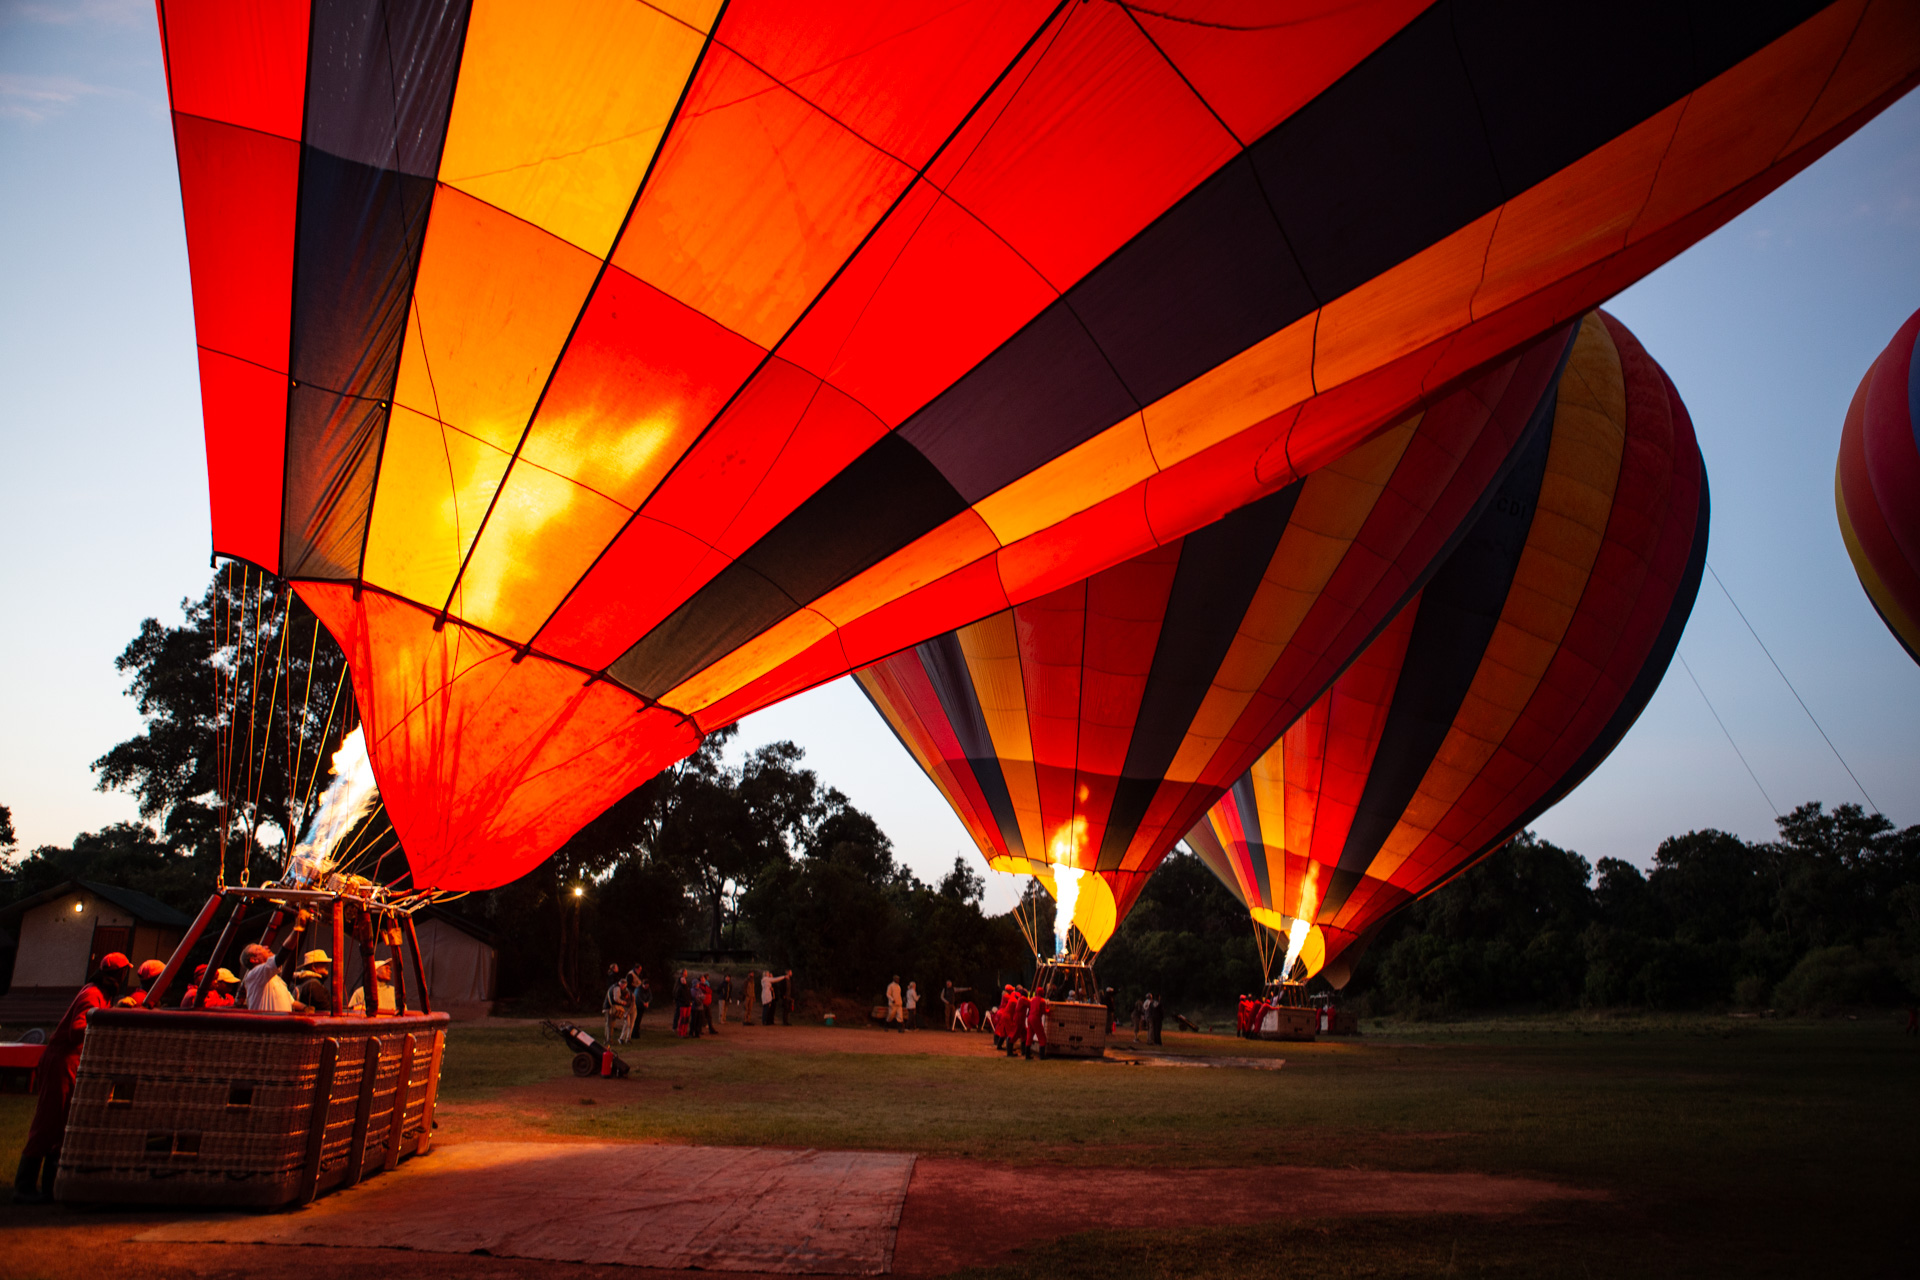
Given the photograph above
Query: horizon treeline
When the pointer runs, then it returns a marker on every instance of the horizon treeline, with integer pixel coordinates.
(758, 858)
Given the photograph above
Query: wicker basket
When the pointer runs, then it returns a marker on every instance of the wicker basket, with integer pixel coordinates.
(231, 1108)
(1076, 1030)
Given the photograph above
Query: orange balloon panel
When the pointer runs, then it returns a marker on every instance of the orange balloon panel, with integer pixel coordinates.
(1088, 728)
(715, 351)
(1512, 675)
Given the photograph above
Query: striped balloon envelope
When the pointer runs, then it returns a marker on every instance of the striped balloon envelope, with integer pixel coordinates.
(1085, 731)
(1506, 681)
(1876, 486)
(603, 371)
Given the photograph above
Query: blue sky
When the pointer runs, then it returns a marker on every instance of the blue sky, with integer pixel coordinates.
(1766, 327)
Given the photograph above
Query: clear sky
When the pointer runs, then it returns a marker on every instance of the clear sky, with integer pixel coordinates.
(1766, 327)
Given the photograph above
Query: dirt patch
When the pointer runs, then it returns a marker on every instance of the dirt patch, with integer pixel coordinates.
(971, 1213)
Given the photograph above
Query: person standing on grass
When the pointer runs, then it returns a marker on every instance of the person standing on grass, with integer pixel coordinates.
(613, 1008)
(913, 1005)
(1017, 1024)
(1139, 1018)
(766, 998)
(59, 1068)
(1154, 1014)
(1037, 1024)
(786, 999)
(642, 1001)
(896, 1012)
(706, 1002)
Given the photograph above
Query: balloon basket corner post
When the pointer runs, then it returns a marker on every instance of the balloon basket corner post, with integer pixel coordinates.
(230, 1109)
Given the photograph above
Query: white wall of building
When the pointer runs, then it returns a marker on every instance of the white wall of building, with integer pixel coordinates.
(55, 939)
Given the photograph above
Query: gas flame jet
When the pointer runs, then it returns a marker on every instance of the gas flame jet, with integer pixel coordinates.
(349, 797)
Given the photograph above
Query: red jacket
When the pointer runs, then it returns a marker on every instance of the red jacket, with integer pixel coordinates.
(1037, 1019)
(59, 1065)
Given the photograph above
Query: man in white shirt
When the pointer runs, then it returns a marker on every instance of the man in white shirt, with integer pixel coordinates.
(266, 990)
(896, 1014)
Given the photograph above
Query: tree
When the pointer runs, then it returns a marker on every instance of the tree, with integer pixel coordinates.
(248, 666)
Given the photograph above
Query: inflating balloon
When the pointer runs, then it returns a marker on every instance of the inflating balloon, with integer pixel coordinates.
(602, 372)
(1079, 735)
(1876, 486)
(1511, 676)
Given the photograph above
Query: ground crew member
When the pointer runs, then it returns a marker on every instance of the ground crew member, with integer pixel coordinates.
(896, 1014)
(1037, 1024)
(59, 1067)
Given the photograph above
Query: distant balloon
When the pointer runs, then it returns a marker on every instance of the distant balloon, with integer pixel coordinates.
(1876, 486)
(1085, 731)
(1511, 676)
(602, 372)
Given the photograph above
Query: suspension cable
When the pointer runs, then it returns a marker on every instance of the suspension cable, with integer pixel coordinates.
(1790, 689)
(1723, 729)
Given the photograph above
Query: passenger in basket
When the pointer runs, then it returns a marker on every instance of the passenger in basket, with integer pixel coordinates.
(224, 986)
(382, 987)
(148, 971)
(266, 989)
(59, 1066)
(314, 989)
(193, 988)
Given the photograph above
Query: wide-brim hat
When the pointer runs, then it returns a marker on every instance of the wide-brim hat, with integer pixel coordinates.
(316, 956)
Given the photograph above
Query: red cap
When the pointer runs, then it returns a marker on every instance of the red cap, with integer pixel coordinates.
(152, 968)
(115, 960)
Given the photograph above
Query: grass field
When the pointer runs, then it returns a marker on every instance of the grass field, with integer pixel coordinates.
(1726, 1146)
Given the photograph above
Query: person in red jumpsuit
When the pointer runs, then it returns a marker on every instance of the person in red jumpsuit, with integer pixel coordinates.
(1000, 1018)
(1037, 1024)
(1017, 1020)
(59, 1066)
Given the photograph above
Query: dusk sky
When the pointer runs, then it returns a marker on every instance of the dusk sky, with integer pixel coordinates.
(1766, 328)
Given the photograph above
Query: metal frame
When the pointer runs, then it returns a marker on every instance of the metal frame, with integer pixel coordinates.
(378, 915)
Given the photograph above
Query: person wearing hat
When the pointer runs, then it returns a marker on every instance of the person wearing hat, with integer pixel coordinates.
(313, 984)
(59, 1067)
(225, 984)
(148, 971)
(382, 988)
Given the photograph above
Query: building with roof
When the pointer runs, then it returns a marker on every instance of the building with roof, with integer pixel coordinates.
(61, 934)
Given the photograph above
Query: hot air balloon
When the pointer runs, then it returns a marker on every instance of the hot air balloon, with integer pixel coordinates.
(1511, 676)
(1876, 486)
(602, 372)
(1077, 736)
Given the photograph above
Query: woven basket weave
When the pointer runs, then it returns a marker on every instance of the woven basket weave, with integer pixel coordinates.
(172, 1107)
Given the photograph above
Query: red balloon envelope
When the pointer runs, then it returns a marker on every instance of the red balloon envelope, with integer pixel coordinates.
(1085, 731)
(1876, 486)
(1512, 675)
(602, 372)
